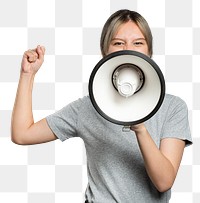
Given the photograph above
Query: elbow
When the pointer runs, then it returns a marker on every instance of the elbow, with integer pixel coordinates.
(17, 141)
(17, 138)
(164, 186)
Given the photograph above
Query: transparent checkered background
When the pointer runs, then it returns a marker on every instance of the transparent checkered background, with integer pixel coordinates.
(56, 172)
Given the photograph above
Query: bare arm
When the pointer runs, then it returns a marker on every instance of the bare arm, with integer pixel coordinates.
(23, 129)
(162, 163)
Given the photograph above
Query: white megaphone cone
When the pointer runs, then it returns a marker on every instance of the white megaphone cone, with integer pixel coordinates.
(126, 87)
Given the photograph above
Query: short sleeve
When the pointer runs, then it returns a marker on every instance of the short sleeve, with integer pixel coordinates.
(176, 123)
(63, 123)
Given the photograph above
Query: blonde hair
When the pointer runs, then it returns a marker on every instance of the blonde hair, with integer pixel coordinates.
(118, 18)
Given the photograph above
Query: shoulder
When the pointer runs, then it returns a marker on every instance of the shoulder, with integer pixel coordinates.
(81, 107)
(173, 102)
(79, 103)
(176, 122)
(172, 108)
(170, 99)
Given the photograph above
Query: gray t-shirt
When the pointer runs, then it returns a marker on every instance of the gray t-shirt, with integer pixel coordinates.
(116, 171)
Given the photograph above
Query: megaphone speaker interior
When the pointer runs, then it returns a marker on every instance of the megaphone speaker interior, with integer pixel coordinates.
(126, 87)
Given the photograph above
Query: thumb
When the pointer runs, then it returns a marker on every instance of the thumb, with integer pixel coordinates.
(41, 52)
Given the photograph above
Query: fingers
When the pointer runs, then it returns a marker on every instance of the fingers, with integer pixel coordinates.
(33, 54)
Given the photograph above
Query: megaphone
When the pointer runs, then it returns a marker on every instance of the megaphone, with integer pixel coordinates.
(126, 87)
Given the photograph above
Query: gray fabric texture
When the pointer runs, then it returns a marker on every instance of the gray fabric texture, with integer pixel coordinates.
(116, 172)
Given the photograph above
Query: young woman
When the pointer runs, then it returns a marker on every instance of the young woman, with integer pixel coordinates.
(136, 166)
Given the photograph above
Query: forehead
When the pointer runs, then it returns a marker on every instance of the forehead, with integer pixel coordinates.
(129, 29)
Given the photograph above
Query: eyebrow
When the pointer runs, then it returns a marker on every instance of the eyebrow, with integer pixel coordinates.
(141, 38)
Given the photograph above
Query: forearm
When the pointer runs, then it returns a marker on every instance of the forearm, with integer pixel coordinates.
(158, 167)
(22, 117)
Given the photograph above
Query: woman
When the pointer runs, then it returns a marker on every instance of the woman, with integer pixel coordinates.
(136, 166)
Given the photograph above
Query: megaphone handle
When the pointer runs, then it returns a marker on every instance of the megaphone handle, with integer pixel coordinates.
(126, 128)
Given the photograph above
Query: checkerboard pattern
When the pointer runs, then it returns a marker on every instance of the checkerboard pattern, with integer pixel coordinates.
(70, 30)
